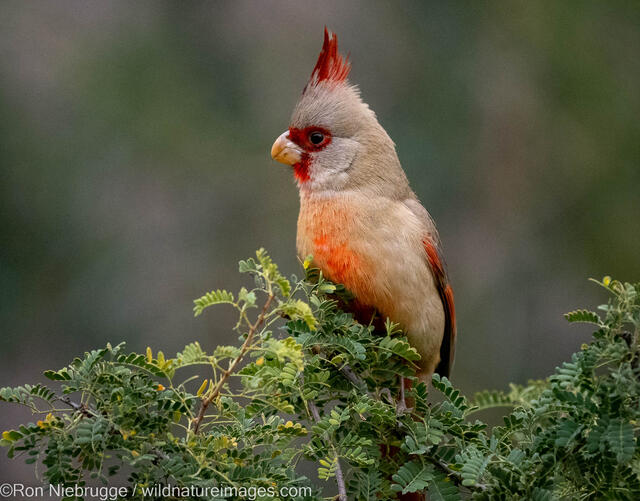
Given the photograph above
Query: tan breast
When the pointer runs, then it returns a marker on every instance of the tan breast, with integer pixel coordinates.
(375, 248)
(327, 230)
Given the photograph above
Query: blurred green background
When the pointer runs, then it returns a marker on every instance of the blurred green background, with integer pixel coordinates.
(135, 167)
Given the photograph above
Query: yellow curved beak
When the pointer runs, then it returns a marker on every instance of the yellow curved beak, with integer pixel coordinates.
(286, 151)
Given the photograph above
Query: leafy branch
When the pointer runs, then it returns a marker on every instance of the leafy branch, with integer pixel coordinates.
(308, 383)
(215, 392)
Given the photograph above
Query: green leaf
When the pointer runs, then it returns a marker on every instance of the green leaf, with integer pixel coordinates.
(328, 468)
(412, 477)
(26, 394)
(490, 399)
(453, 395)
(192, 354)
(246, 297)
(61, 375)
(140, 361)
(443, 489)
(272, 274)
(540, 494)
(621, 439)
(365, 486)
(584, 316)
(474, 464)
(567, 431)
(286, 350)
(222, 352)
(248, 266)
(422, 436)
(400, 347)
(296, 309)
(210, 298)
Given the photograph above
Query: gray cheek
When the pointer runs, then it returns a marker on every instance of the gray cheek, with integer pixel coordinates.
(330, 168)
(329, 174)
(343, 153)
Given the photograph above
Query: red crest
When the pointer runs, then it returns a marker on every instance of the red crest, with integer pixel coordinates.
(331, 66)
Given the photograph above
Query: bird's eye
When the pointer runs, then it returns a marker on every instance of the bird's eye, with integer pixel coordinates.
(316, 137)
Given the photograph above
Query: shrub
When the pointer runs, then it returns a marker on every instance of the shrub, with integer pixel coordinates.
(307, 383)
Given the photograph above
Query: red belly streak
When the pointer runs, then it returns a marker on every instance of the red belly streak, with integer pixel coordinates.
(338, 262)
(329, 227)
(327, 224)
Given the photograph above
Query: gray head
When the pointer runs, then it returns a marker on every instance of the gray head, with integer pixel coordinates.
(334, 141)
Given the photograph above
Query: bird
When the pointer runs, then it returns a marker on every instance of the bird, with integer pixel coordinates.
(360, 220)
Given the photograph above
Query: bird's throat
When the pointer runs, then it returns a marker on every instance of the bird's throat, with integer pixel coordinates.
(301, 169)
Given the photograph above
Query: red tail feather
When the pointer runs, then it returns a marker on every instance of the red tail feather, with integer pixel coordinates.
(447, 349)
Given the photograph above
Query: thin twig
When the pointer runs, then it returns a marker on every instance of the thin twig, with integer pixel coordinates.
(351, 376)
(225, 374)
(81, 408)
(314, 411)
(346, 370)
(454, 474)
(342, 490)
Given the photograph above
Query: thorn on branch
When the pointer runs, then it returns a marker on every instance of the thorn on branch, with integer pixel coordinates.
(81, 408)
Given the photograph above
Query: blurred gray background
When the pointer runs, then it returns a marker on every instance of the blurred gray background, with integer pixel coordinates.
(135, 168)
